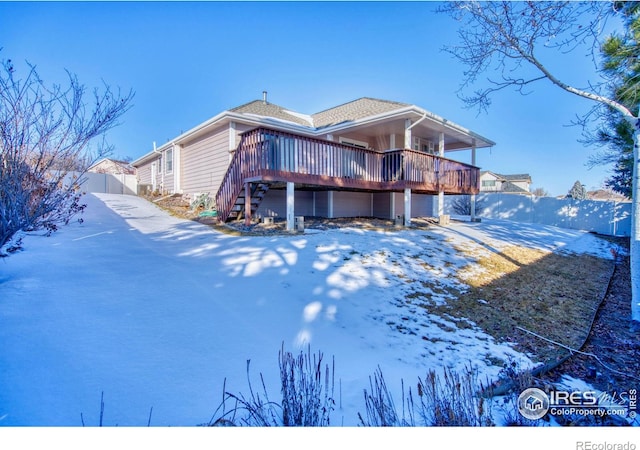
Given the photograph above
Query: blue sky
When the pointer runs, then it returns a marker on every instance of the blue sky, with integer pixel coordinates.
(187, 62)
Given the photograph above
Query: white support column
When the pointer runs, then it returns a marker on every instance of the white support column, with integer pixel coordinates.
(392, 141)
(441, 191)
(290, 206)
(407, 207)
(177, 168)
(407, 133)
(473, 196)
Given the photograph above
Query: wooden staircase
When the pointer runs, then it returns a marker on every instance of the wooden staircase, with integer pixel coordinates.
(258, 191)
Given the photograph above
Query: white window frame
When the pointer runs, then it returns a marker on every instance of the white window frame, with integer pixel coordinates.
(168, 160)
(489, 183)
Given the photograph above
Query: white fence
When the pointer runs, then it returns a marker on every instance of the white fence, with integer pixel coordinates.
(109, 184)
(604, 217)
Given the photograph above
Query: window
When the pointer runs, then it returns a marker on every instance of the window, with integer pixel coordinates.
(168, 161)
(354, 143)
(488, 183)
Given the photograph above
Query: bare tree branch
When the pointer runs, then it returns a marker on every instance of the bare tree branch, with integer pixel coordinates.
(505, 35)
(45, 134)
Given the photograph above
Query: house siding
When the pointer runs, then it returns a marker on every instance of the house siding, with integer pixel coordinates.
(168, 178)
(351, 204)
(382, 205)
(144, 173)
(322, 203)
(205, 161)
(421, 205)
(398, 204)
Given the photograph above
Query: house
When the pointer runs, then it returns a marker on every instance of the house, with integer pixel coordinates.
(367, 157)
(112, 166)
(510, 184)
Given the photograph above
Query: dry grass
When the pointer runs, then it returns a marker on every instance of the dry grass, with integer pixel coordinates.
(550, 294)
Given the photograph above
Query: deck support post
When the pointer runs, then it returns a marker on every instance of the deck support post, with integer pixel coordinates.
(247, 204)
(330, 204)
(441, 191)
(407, 207)
(473, 196)
(290, 206)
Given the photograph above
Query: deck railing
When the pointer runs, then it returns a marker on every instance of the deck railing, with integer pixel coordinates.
(271, 155)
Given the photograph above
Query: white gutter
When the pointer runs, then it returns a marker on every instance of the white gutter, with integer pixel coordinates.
(424, 116)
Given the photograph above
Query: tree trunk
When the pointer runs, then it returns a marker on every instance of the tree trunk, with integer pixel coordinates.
(635, 228)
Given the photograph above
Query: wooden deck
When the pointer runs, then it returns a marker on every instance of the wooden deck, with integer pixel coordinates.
(266, 155)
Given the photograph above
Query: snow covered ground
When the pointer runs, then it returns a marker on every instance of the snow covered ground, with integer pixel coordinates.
(156, 312)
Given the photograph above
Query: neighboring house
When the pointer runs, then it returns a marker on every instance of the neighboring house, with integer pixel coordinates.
(112, 166)
(607, 195)
(368, 157)
(510, 184)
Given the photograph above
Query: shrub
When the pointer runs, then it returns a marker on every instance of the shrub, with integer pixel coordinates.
(307, 396)
(453, 399)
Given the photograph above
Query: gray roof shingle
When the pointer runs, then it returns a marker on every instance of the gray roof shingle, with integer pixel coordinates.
(347, 112)
(260, 108)
(516, 177)
(354, 110)
(508, 186)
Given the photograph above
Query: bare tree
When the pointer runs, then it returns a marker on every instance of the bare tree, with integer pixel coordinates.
(511, 39)
(462, 205)
(46, 135)
(540, 192)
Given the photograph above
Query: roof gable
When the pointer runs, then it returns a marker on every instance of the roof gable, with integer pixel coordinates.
(265, 109)
(354, 110)
(347, 112)
(508, 186)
